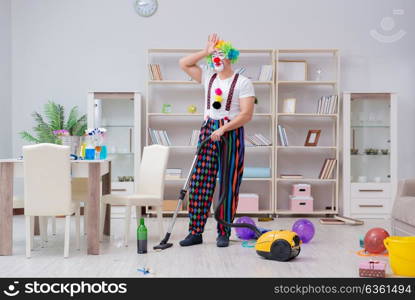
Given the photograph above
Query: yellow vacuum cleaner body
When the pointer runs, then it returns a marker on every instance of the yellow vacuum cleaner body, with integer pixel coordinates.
(280, 245)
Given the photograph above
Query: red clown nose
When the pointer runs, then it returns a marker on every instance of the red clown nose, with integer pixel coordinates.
(216, 60)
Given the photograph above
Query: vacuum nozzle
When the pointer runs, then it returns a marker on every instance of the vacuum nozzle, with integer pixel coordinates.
(163, 244)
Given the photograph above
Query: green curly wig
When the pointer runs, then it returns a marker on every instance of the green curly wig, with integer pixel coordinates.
(226, 47)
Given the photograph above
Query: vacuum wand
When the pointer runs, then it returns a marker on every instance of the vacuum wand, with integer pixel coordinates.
(164, 243)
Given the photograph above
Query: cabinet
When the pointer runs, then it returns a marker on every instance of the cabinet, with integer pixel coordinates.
(370, 154)
(120, 114)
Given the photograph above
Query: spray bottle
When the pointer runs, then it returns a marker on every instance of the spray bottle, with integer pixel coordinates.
(142, 237)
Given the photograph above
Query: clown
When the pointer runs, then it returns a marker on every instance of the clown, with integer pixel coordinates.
(229, 104)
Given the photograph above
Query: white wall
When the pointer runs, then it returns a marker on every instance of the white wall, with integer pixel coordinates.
(62, 49)
(5, 79)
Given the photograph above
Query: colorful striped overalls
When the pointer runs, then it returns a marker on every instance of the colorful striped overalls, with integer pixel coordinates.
(208, 165)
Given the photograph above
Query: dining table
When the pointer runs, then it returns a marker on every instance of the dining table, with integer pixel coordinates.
(95, 171)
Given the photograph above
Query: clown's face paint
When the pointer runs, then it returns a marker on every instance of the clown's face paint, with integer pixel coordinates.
(217, 59)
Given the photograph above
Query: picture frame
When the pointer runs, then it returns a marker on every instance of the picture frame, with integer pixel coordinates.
(292, 70)
(313, 136)
(289, 105)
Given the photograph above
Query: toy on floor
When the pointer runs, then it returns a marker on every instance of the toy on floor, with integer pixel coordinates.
(249, 244)
(245, 233)
(361, 241)
(145, 270)
(373, 242)
(305, 230)
(372, 268)
(401, 254)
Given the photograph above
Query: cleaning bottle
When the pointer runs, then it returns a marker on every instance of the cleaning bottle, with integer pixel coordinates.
(142, 237)
(82, 147)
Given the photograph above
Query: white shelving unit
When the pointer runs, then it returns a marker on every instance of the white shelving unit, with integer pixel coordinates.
(297, 158)
(176, 89)
(180, 92)
(120, 114)
(369, 180)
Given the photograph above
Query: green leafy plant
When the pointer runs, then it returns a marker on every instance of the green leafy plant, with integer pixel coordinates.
(54, 119)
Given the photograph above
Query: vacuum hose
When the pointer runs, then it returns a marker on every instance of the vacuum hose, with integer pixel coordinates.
(225, 176)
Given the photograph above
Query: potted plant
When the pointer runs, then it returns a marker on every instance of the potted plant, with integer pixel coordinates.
(371, 151)
(52, 127)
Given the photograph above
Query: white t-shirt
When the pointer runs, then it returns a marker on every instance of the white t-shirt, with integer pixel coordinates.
(243, 88)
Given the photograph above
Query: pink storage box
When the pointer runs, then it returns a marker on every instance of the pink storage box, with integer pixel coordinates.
(301, 189)
(372, 268)
(301, 204)
(248, 203)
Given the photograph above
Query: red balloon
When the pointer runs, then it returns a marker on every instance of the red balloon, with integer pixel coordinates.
(374, 240)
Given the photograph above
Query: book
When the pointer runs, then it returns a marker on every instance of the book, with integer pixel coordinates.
(194, 138)
(327, 105)
(160, 77)
(152, 136)
(291, 176)
(323, 169)
(340, 220)
(350, 221)
(162, 137)
(331, 221)
(173, 173)
(155, 72)
(167, 138)
(285, 136)
(159, 137)
(257, 140)
(263, 139)
(265, 73)
(330, 168)
(150, 72)
(282, 135)
(327, 168)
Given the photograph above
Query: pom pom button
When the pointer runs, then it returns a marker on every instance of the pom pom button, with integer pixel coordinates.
(216, 105)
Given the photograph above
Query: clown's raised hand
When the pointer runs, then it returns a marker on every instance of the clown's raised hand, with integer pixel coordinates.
(212, 40)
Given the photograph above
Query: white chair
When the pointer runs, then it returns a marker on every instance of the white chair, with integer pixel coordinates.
(149, 189)
(47, 189)
(18, 202)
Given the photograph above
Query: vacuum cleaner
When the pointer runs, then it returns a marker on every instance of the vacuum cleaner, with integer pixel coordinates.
(280, 245)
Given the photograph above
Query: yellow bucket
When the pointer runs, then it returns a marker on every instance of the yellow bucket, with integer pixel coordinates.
(401, 254)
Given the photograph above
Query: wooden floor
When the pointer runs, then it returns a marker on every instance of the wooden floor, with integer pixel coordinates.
(332, 253)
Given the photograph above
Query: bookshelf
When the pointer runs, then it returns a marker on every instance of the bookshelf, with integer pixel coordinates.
(179, 91)
(297, 158)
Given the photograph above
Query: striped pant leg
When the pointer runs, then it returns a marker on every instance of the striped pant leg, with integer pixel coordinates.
(203, 180)
(235, 155)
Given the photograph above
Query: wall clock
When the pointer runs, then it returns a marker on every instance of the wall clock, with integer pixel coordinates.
(146, 8)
